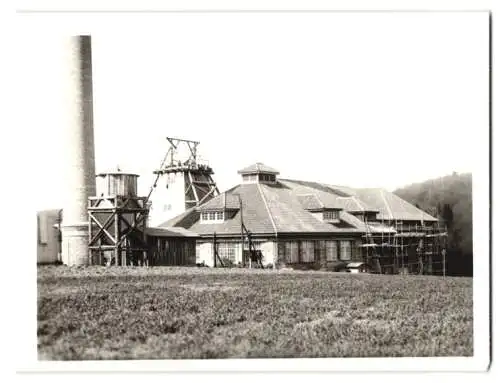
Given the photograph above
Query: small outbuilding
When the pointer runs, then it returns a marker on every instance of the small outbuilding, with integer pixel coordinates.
(174, 246)
(48, 236)
(358, 267)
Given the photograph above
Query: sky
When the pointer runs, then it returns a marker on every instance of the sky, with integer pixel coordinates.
(356, 99)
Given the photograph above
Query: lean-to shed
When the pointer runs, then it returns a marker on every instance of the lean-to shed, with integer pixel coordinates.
(174, 246)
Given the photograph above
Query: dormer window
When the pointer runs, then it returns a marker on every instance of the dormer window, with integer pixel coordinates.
(212, 216)
(331, 215)
(360, 216)
(219, 209)
(366, 216)
(322, 210)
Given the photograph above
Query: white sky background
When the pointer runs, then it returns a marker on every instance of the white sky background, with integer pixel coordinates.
(358, 99)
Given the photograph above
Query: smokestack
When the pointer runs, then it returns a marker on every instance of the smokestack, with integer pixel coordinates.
(79, 162)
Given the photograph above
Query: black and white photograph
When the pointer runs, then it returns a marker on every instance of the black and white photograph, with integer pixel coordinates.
(216, 187)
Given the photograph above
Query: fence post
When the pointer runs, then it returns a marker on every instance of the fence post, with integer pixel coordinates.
(215, 249)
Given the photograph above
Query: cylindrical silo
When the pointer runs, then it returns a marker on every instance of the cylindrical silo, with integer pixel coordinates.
(79, 175)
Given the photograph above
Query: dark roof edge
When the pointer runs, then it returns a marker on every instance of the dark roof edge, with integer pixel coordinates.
(341, 232)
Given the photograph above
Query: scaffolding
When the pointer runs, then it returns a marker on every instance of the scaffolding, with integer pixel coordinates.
(406, 248)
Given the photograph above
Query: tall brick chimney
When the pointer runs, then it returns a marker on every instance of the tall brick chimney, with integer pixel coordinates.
(79, 161)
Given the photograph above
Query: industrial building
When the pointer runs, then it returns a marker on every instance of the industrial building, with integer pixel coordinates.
(264, 221)
(311, 225)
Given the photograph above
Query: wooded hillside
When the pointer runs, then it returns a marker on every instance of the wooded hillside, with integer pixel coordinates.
(448, 198)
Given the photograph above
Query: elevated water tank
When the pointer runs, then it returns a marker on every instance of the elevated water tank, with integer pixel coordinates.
(117, 184)
(117, 190)
(118, 219)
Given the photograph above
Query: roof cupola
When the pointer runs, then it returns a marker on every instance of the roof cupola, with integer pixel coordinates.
(258, 173)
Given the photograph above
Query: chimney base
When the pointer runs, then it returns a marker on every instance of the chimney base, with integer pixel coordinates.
(75, 244)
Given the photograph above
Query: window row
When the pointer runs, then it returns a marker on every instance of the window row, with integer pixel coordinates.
(250, 177)
(291, 251)
(312, 250)
(331, 215)
(260, 177)
(212, 216)
(267, 177)
(229, 250)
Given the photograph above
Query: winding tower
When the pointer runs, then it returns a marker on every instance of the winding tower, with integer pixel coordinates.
(181, 182)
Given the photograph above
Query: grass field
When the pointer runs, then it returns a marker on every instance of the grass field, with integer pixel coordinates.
(171, 313)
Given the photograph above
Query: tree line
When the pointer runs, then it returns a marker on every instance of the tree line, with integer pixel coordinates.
(449, 199)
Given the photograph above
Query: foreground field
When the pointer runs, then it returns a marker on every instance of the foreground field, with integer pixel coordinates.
(171, 313)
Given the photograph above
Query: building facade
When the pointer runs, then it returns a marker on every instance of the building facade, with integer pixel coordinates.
(294, 223)
(266, 221)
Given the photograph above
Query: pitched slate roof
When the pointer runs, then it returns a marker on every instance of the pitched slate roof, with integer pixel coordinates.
(389, 205)
(288, 214)
(185, 219)
(255, 215)
(352, 220)
(344, 200)
(334, 199)
(283, 208)
(353, 204)
(258, 167)
(310, 201)
(393, 207)
(308, 186)
(267, 209)
(222, 201)
(173, 232)
(325, 197)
